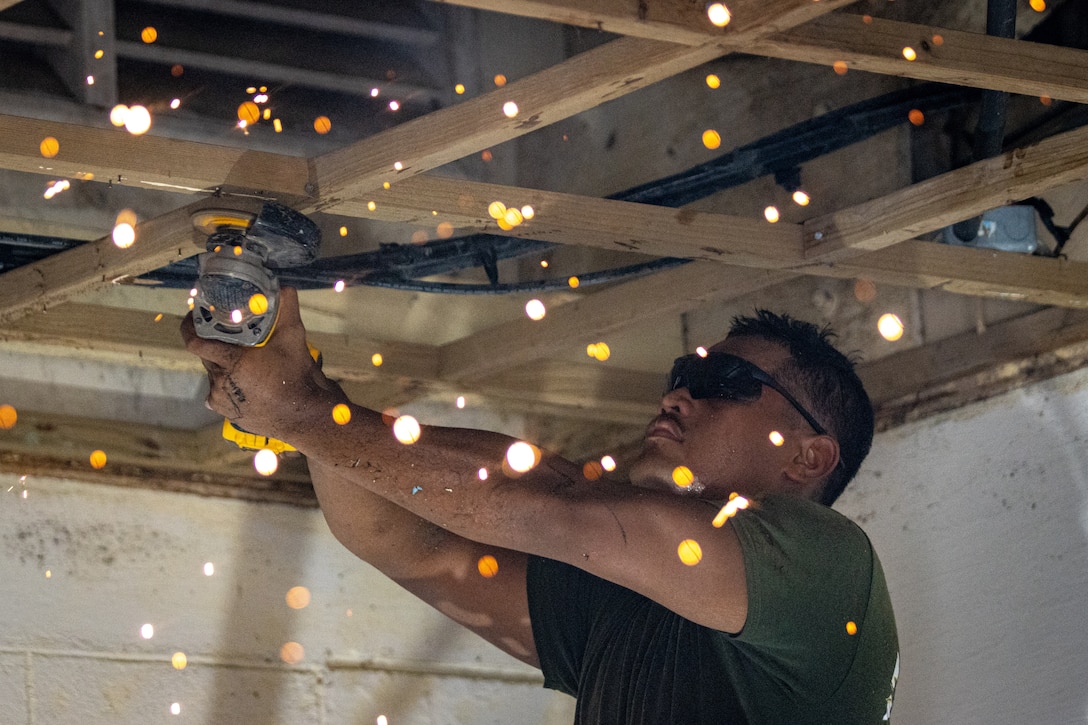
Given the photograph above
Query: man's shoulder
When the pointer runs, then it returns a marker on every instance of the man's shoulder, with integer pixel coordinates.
(806, 518)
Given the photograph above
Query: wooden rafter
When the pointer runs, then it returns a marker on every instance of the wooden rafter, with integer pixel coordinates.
(507, 363)
(675, 22)
(585, 81)
(596, 316)
(950, 373)
(948, 198)
(590, 222)
(861, 42)
(34, 287)
(945, 56)
(129, 336)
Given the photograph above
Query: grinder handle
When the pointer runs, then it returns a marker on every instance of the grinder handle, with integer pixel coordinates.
(251, 441)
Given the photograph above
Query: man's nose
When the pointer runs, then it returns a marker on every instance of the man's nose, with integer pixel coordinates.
(677, 400)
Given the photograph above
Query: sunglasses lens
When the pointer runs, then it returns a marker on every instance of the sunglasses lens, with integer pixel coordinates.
(716, 376)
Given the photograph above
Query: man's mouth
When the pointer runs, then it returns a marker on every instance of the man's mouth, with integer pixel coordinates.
(665, 426)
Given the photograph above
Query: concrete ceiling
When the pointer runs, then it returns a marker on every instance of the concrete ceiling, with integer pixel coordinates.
(608, 100)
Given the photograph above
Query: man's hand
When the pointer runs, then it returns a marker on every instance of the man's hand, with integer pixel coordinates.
(269, 390)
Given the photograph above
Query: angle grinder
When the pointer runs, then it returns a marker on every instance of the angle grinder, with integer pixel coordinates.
(236, 298)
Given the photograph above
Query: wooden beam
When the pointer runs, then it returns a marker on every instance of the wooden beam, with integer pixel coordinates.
(586, 221)
(946, 56)
(37, 286)
(93, 81)
(948, 198)
(141, 456)
(583, 82)
(407, 371)
(309, 19)
(144, 337)
(596, 316)
(950, 373)
(861, 41)
(35, 34)
(681, 22)
(571, 219)
(5, 4)
(912, 372)
(152, 162)
(964, 270)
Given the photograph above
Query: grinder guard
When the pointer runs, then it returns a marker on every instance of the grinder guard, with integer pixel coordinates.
(237, 293)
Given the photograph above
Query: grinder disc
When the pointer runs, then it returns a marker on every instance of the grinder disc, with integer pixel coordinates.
(210, 221)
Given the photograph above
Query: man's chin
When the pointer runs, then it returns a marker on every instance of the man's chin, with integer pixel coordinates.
(649, 471)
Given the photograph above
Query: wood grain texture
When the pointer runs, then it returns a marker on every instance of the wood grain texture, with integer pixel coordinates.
(966, 59)
(580, 83)
(152, 162)
(913, 372)
(587, 221)
(40, 285)
(595, 316)
(964, 270)
(673, 21)
(957, 195)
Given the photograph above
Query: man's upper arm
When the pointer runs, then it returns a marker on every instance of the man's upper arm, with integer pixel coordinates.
(438, 566)
(494, 606)
(661, 545)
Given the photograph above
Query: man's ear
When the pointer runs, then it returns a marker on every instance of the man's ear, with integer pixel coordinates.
(816, 459)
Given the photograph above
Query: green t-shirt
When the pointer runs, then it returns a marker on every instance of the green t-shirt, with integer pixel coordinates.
(810, 572)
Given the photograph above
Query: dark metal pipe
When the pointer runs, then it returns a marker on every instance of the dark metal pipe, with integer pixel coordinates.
(990, 130)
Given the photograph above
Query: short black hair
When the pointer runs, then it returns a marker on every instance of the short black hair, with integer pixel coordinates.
(825, 380)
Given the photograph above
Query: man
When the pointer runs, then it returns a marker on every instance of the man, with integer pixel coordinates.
(779, 614)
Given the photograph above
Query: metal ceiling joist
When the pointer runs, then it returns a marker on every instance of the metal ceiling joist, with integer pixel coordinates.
(273, 72)
(308, 19)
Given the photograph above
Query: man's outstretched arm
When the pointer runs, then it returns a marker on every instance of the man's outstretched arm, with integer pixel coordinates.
(627, 536)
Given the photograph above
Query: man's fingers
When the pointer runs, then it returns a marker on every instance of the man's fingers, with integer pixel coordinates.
(289, 318)
(289, 306)
(220, 353)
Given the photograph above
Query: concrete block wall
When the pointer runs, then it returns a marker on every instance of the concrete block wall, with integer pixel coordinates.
(84, 566)
(980, 517)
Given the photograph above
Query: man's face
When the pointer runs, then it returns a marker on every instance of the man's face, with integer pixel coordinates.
(728, 445)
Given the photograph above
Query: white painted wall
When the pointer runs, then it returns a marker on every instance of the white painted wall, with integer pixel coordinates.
(980, 517)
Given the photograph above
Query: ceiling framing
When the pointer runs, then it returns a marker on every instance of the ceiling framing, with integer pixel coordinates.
(516, 365)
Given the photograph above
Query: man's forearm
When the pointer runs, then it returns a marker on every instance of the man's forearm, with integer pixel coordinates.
(437, 478)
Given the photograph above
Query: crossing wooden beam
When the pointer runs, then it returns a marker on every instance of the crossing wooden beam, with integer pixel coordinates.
(674, 21)
(598, 315)
(37, 286)
(871, 44)
(948, 198)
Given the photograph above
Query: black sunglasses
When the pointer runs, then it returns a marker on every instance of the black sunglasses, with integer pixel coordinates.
(720, 375)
